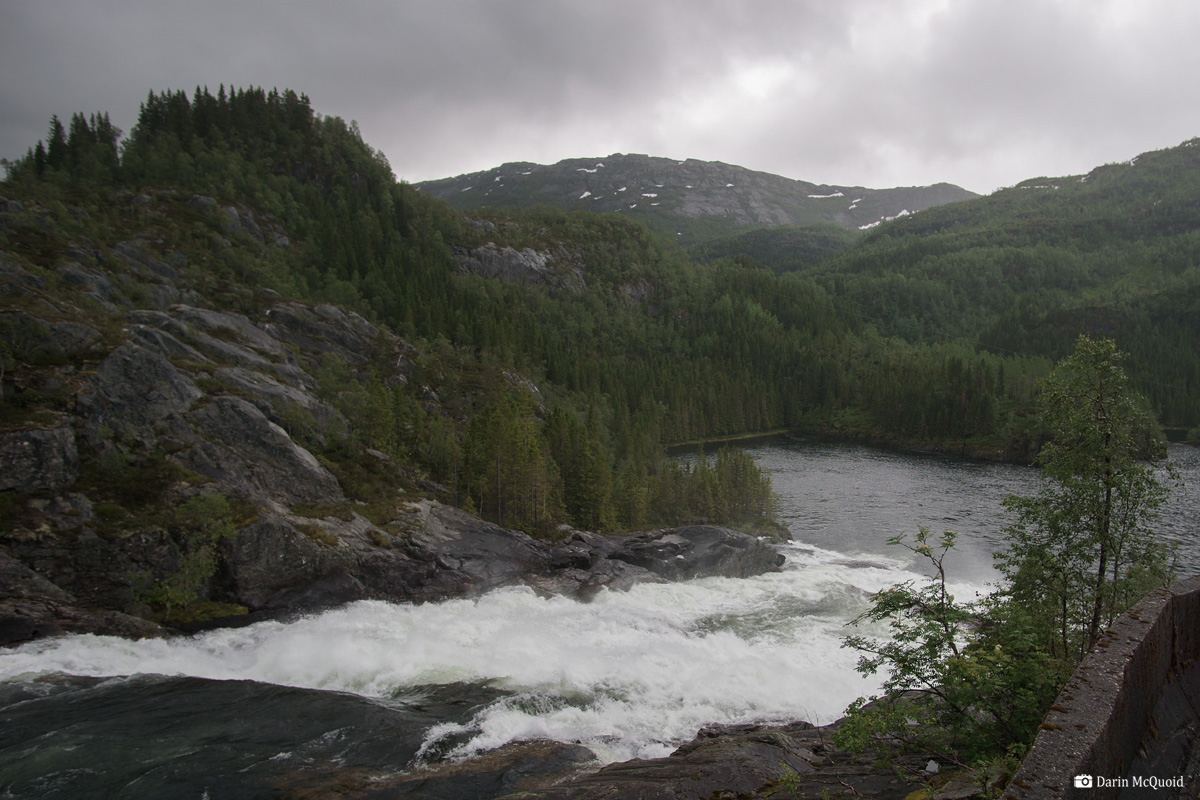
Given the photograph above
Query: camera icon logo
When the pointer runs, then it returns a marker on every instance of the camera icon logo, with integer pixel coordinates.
(1083, 781)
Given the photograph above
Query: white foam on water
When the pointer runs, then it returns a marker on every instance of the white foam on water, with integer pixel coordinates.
(630, 674)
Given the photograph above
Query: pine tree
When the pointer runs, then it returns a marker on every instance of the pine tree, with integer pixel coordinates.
(56, 147)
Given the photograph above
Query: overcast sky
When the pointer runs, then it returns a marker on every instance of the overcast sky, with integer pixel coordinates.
(878, 93)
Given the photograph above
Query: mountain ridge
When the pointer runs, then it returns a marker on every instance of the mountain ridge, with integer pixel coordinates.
(690, 200)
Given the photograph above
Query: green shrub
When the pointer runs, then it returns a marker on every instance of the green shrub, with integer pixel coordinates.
(197, 526)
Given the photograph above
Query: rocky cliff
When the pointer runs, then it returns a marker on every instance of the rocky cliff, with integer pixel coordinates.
(158, 438)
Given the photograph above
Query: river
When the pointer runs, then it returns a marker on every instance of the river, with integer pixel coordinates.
(241, 712)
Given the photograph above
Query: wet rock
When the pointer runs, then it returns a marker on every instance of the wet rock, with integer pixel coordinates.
(32, 606)
(699, 551)
(491, 555)
(19, 580)
(722, 761)
(727, 761)
(585, 584)
(438, 552)
(329, 591)
(35, 460)
(26, 620)
(517, 767)
(271, 557)
(96, 572)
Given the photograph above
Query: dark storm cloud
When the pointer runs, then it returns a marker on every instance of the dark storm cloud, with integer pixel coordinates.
(979, 92)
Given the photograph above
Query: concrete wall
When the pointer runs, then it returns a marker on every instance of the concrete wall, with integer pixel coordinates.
(1130, 711)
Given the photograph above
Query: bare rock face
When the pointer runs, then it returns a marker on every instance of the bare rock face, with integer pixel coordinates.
(272, 557)
(35, 460)
(520, 266)
(33, 337)
(226, 323)
(24, 583)
(254, 457)
(322, 329)
(283, 403)
(136, 395)
(32, 607)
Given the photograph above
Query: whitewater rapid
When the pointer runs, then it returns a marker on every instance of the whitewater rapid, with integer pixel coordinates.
(630, 674)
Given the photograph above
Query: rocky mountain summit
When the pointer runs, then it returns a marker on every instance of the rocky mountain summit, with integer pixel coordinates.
(157, 449)
(701, 199)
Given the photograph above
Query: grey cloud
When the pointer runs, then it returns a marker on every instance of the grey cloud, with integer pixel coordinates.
(968, 94)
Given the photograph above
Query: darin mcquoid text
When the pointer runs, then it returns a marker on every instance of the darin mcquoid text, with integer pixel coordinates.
(1137, 781)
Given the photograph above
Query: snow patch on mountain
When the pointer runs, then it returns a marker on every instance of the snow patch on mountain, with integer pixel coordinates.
(881, 220)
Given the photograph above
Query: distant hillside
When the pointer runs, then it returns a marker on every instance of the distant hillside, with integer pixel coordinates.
(695, 201)
(1115, 253)
(785, 249)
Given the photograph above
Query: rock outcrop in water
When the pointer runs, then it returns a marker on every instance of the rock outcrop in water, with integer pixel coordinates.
(722, 761)
(749, 761)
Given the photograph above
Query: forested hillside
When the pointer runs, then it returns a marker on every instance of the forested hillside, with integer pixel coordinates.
(559, 351)
(785, 249)
(1115, 252)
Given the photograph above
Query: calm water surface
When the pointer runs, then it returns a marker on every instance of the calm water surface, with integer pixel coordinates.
(852, 498)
